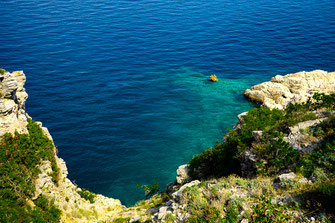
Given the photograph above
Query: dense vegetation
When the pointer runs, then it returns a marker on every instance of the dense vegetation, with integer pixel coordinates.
(20, 156)
(268, 212)
(222, 160)
(273, 155)
(321, 161)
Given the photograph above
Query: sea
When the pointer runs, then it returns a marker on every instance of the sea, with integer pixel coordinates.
(122, 85)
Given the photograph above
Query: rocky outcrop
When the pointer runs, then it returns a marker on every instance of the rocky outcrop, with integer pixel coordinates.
(298, 138)
(183, 174)
(287, 177)
(12, 102)
(302, 141)
(291, 88)
(278, 93)
(177, 194)
(174, 206)
(248, 162)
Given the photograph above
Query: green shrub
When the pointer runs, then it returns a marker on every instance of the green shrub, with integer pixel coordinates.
(316, 131)
(20, 157)
(326, 188)
(87, 195)
(324, 101)
(276, 156)
(205, 214)
(320, 198)
(219, 161)
(170, 218)
(268, 212)
(2, 71)
(322, 157)
(121, 220)
(16, 211)
(232, 213)
(222, 159)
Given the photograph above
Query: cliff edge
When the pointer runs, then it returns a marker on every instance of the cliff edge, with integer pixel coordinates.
(75, 204)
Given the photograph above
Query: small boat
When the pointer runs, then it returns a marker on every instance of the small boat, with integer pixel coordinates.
(213, 78)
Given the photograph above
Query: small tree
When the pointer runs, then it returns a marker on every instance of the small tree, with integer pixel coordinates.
(149, 190)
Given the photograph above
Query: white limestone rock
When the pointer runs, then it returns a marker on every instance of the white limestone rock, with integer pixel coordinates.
(302, 141)
(182, 174)
(12, 102)
(177, 194)
(291, 88)
(286, 176)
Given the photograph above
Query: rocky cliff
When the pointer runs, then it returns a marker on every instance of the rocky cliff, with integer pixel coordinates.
(12, 99)
(64, 193)
(291, 88)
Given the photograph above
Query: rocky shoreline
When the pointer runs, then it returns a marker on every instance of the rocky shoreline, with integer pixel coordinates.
(278, 94)
(275, 94)
(173, 205)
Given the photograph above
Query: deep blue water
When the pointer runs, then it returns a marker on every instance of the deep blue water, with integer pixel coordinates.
(121, 84)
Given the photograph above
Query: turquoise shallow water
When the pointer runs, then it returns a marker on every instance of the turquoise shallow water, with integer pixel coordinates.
(122, 85)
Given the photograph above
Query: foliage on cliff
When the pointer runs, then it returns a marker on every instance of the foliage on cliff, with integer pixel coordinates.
(233, 199)
(20, 156)
(275, 156)
(87, 195)
(222, 160)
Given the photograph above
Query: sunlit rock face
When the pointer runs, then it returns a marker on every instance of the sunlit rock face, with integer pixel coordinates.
(291, 88)
(12, 102)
